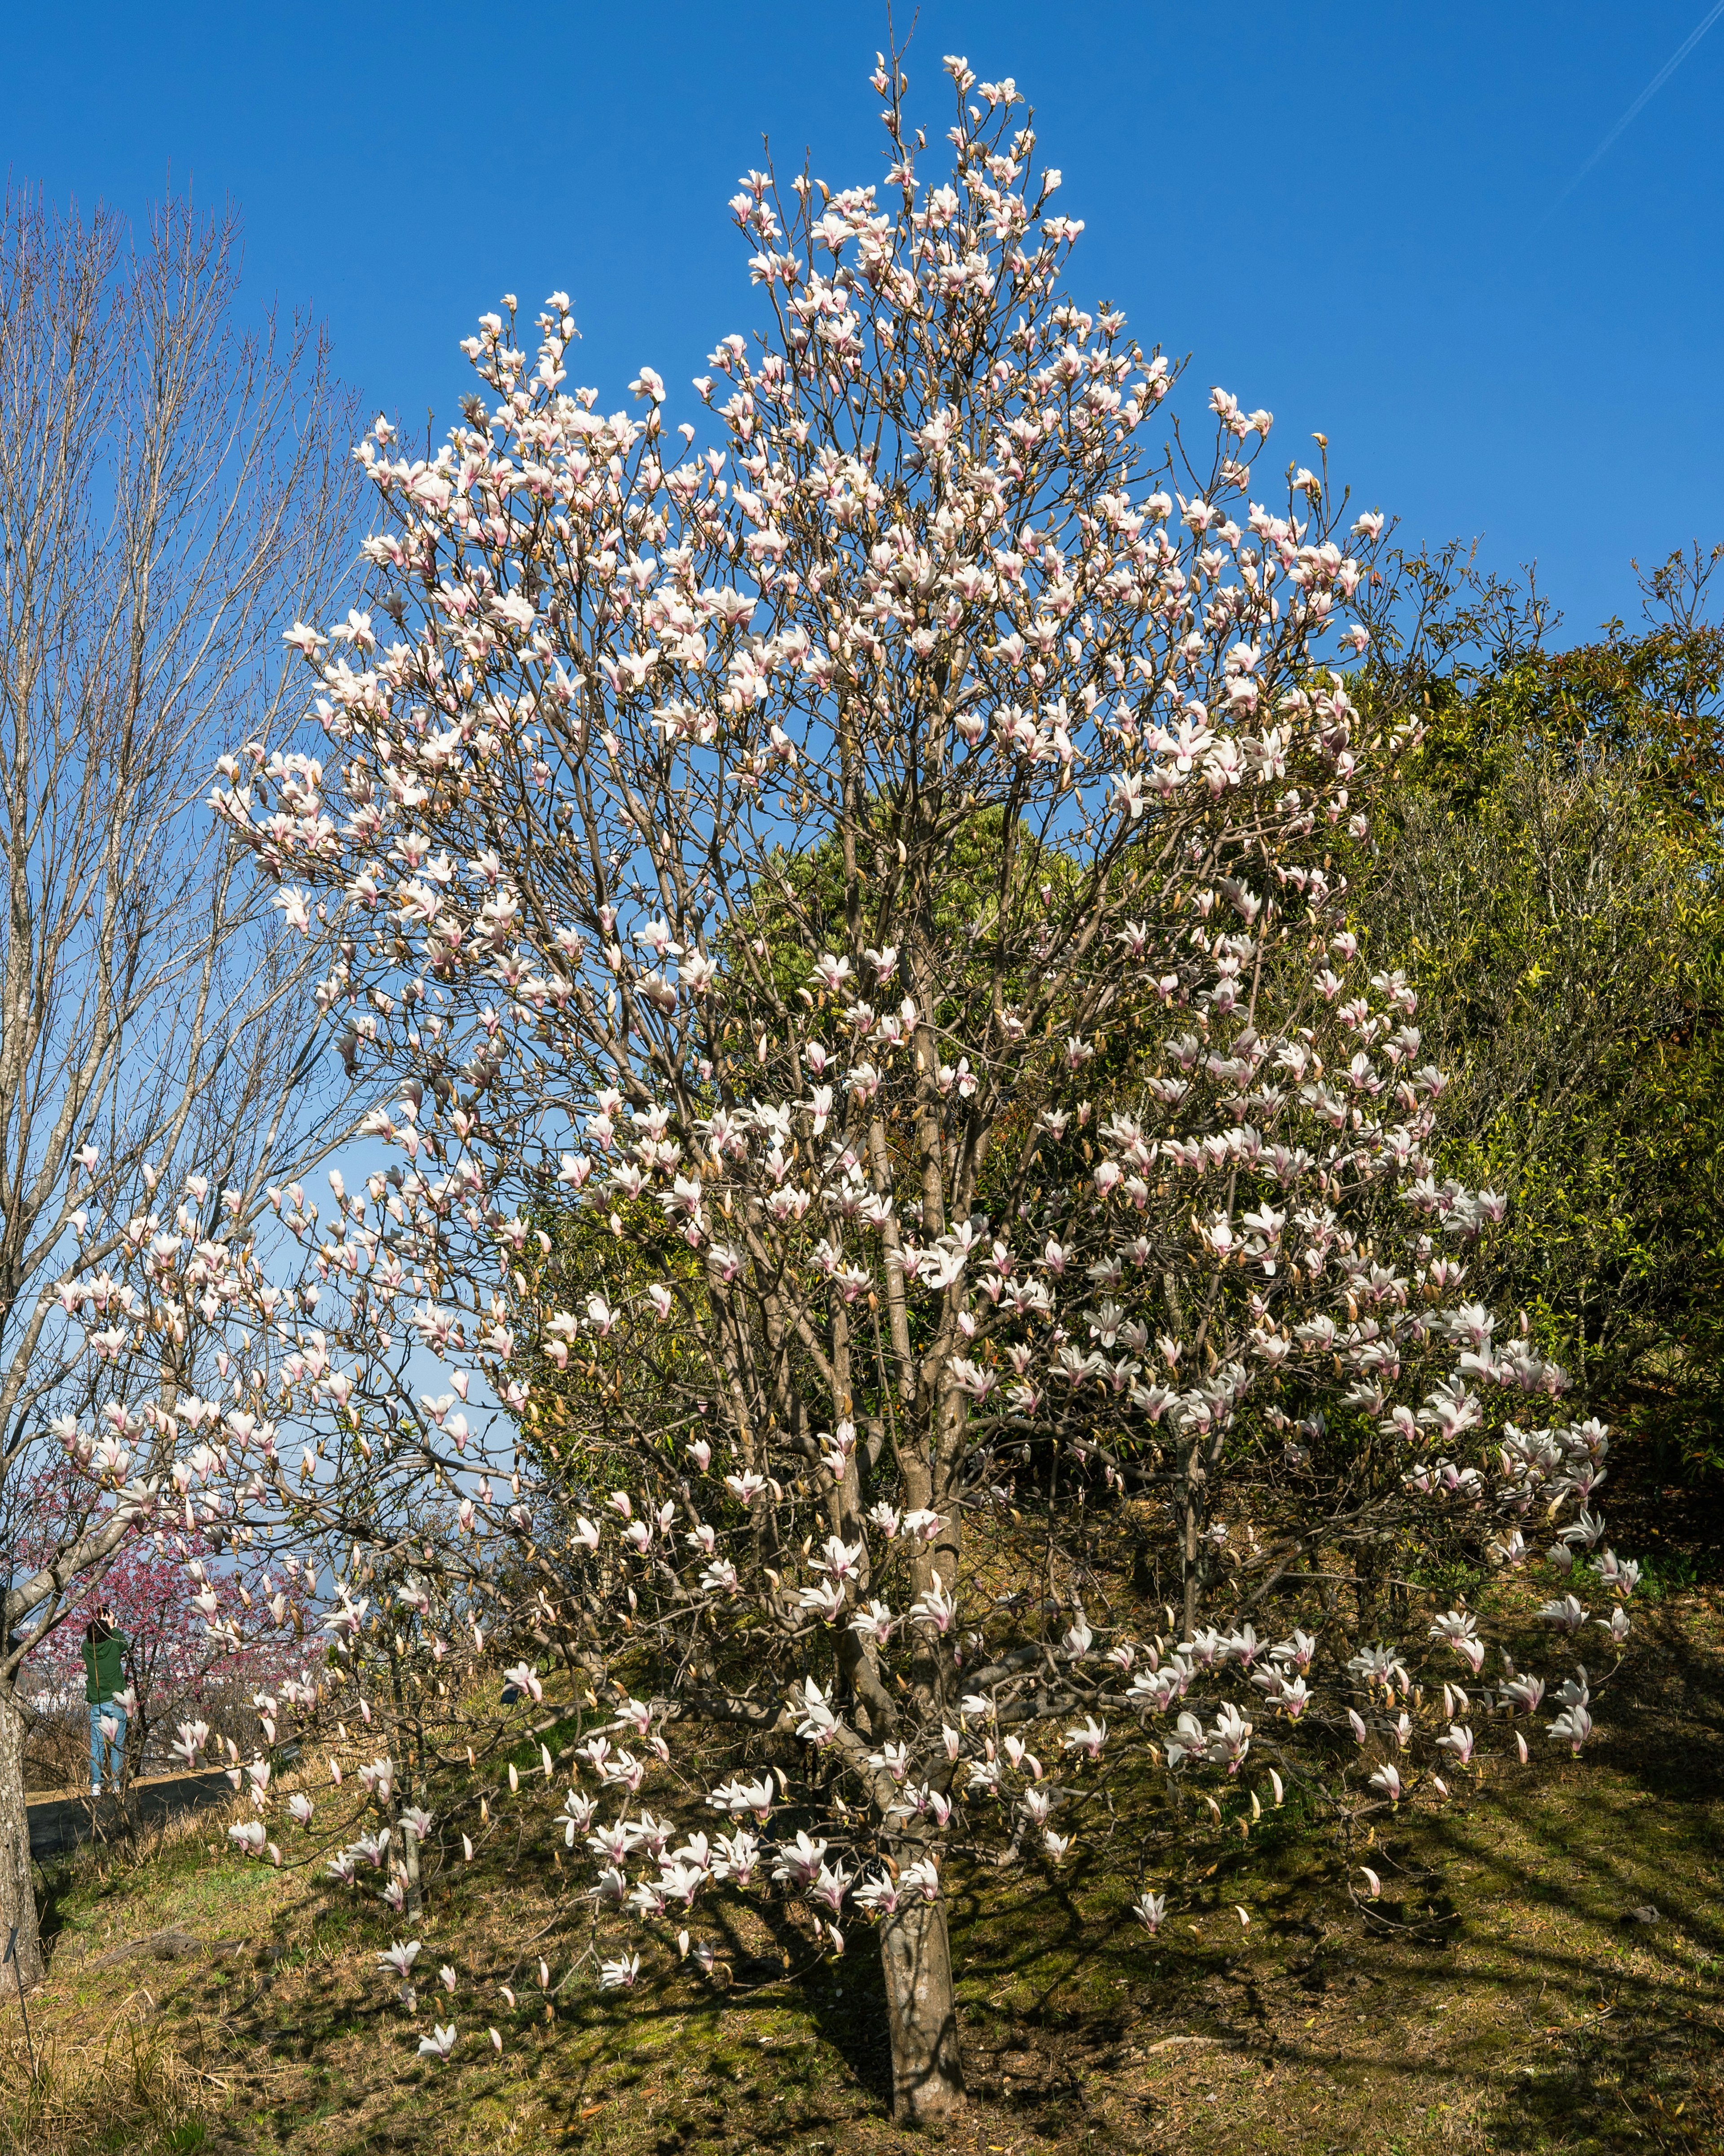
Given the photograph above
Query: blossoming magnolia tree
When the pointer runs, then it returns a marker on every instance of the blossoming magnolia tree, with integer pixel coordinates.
(638, 840)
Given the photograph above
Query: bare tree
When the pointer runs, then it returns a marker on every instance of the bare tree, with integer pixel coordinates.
(172, 487)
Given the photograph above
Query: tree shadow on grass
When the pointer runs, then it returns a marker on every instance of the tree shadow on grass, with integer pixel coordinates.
(1563, 2039)
(1566, 2029)
(687, 2039)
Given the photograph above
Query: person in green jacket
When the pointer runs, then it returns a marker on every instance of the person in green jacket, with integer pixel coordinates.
(105, 1644)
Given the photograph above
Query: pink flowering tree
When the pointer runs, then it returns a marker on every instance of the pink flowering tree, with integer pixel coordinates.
(637, 835)
(193, 1649)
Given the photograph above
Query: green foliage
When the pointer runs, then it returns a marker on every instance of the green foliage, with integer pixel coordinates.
(1552, 885)
(802, 903)
(1548, 877)
(587, 1256)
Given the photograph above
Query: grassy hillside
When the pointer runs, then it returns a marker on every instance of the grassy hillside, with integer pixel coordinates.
(1503, 1997)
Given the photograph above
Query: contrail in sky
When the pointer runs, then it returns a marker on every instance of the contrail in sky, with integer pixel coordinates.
(1640, 104)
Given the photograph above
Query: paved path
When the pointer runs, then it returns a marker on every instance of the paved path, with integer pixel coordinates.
(60, 1820)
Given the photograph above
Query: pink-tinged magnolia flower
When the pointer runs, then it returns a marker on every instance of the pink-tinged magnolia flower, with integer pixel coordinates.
(1088, 1739)
(1151, 1911)
(1458, 1740)
(818, 1724)
(933, 1608)
(878, 1895)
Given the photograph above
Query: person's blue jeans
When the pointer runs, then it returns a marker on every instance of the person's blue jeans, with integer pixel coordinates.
(106, 1753)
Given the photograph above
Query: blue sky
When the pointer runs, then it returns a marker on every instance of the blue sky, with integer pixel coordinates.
(1344, 214)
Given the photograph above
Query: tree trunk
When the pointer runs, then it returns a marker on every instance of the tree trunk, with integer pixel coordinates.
(410, 1854)
(927, 2073)
(17, 1893)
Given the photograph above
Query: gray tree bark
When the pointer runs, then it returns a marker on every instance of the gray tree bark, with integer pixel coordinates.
(18, 1891)
(927, 2072)
(415, 1899)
